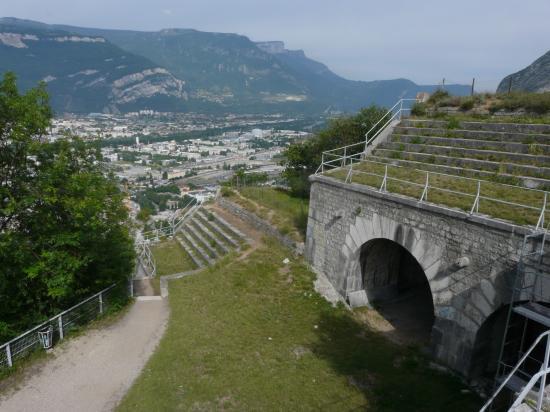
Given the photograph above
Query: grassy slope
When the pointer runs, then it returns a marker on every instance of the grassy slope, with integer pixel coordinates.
(286, 213)
(250, 335)
(171, 258)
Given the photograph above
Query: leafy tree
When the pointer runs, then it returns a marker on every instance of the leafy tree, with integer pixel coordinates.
(63, 224)
(302, 159)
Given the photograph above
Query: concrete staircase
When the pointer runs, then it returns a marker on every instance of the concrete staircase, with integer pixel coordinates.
(518, 154)
(206, 237)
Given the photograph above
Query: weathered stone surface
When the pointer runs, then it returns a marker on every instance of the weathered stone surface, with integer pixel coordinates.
(464, 296)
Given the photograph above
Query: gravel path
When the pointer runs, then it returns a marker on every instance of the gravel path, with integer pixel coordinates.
(94, 371)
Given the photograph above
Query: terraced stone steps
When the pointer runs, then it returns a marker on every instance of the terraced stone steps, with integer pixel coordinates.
(524, 138)
(188, 248)
(229, 237)
(481, 126)
(197, 248)
(500, 146)
(467, 163)
(464, 152)
(209, 236)
(221, 236)
(201, 241)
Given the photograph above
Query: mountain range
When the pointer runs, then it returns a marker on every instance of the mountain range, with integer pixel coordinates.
(110, 71)
(533, 78)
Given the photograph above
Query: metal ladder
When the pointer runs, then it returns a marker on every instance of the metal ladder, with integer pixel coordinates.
(517, 365)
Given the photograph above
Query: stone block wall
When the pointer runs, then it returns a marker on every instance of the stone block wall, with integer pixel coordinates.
(469, 261)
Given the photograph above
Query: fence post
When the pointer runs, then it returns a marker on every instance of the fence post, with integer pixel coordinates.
(543, 377)
(540, 222)
(323, 163)
(60, 323)
(475, 206)
(345, 155)
(425, 191)
(8, 355)
(101, 303)
(383, 187)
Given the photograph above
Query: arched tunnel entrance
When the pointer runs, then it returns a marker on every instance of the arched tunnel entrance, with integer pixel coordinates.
(397, 287)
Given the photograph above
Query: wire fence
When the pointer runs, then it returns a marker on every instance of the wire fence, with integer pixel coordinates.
(60, 326)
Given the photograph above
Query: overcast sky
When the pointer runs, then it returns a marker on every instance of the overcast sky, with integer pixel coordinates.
(422, 40)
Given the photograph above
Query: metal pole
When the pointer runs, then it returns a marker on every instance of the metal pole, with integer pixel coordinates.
(543, 378)
(540, 223)
(426, 185)
(60, 323)
(8, 355)
(400, 109)
(473, 84)
(322, 163)
(101, 303)
(345, 154)
(475, 206)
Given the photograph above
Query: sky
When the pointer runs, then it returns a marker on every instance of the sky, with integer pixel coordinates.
(422, 40)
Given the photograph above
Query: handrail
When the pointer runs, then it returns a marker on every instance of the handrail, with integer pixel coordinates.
(513, 372)
(399, 102)
(56, 316)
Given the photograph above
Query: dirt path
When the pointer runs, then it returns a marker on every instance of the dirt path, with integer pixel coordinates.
(94, 371)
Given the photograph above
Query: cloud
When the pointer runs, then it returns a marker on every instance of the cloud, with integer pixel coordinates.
(168, 12)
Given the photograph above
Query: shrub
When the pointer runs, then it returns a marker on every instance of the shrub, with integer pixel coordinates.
(453, 123)
(438, 96)
(419, 109)
(467, 104)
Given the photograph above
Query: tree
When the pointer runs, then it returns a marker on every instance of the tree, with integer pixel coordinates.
(302, 159)
(63, 225)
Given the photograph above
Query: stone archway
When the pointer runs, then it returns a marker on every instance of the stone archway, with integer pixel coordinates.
(397, 286)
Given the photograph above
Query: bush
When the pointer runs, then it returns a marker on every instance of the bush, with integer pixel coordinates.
(419, 109)
(538, 103)
(438, 96)
(467, 104)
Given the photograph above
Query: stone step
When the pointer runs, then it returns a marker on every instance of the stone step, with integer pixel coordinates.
(193, 231)
(200, 251)
(524, 181)
(210, 236)
(488, 126)
(189, 250)
(502, 146)
(217, 232)
(462, 152)
(218, 229)
(474, 134)
(232, 229)
(467, 163)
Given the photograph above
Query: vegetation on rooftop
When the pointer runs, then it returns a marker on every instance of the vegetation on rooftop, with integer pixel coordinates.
(528, 107)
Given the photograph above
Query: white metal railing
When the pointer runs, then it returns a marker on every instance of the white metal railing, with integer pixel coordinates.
(395, 113)
(352, 161)
(539, 377)
(174, 224)
(60, 326)
(145, 257)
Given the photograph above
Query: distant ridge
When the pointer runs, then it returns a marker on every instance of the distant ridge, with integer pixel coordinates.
(534, 78)
(183, 70)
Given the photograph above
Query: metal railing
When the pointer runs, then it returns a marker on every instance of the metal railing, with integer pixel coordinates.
(174, 224)
(351, 162)
(58, 327)
(539, 377)
(395, 113)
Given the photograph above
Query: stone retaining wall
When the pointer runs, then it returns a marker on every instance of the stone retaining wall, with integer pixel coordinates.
(260, 224)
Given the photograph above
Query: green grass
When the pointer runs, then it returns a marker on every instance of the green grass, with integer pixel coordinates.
(288, 213)
(464, 202)
(171, 258)
(249, 335)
